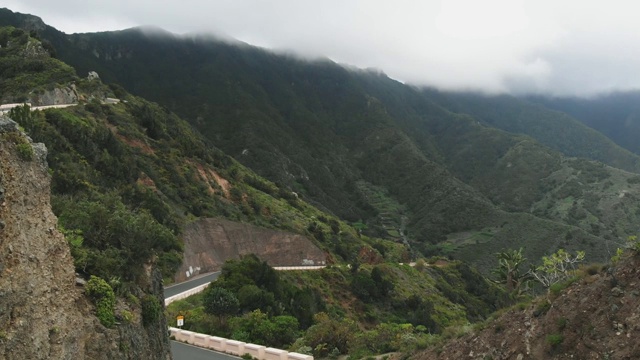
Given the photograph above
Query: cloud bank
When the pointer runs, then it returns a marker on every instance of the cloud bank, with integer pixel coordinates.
(519, 46)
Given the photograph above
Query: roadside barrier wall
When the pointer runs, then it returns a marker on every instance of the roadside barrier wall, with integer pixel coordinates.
(233, 347)
(285, 268)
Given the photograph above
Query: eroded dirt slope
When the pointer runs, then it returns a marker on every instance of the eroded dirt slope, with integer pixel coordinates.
(210, 242)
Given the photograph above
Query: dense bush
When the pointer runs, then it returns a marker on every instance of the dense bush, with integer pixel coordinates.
(257, 327)
(103, 298)
(151, 309)
(219, 301)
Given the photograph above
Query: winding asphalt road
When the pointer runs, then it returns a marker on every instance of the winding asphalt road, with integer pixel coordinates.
(176, 289)
(181, 351)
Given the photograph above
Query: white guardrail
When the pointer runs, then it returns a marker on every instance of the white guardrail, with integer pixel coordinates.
(304, 267)
(233, 347)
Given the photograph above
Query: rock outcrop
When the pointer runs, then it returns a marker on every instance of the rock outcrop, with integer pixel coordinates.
(43, 314)
(596, 317)
(209, 242)
(56, 96)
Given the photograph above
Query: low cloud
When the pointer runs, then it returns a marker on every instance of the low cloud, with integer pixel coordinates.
(518, 46)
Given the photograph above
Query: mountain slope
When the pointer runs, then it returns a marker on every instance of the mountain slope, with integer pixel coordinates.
(356, 142)
(616, 115)
(554, 129)
(133, 185)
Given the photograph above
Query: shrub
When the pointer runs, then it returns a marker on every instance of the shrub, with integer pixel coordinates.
(151, 309)
(633, 243)
(103, 298)
(219, 301)
(562, 323)
(555, 339)
(556, 288)
(542, 308)
(23, 148)
(25, 151)
(127, 316)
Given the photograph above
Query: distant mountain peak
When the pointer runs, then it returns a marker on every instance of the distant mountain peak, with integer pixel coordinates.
(25, 21)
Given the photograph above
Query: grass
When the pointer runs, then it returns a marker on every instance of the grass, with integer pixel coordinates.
(556, 288)
(555, 340)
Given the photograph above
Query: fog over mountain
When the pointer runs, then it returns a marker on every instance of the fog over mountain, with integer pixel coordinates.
(568, 48)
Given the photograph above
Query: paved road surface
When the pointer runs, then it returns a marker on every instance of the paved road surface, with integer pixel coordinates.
(183, 351)
(189, 284)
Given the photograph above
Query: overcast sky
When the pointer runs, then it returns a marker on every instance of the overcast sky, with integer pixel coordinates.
(561, 47)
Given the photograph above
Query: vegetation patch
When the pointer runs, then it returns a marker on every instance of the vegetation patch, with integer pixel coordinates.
(101, 293)
(555, 340)
(151, 309)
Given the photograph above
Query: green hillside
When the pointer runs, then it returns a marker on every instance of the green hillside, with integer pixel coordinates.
(135, 168)
(445, 164)
(616, 115)
(375, 172)
(127, 175)
(552, 128)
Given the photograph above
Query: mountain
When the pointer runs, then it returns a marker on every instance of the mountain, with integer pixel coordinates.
(451, 174)
(140, 196)
(549, 125)
(616, 115)
(352, 166)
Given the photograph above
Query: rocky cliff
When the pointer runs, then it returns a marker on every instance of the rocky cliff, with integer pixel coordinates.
(209, 242)
(43, 313)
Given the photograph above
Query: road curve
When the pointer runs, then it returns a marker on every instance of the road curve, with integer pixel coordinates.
(176, 289)
(182, 351)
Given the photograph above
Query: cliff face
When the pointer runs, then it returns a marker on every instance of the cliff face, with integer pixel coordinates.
(43, 314)
(209, 242)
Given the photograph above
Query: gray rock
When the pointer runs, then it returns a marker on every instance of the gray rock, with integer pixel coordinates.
(93, 76)
(617, 292)
(40, 151)
(7, 125)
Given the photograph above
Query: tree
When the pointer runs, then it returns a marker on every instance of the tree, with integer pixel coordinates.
(251, 297)
(330, 333)
(23, 116)
(557, 267)
(509, 273)
(258, 328)
(220, 302)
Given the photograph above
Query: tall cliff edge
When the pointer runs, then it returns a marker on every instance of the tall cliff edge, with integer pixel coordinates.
(43, 313)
